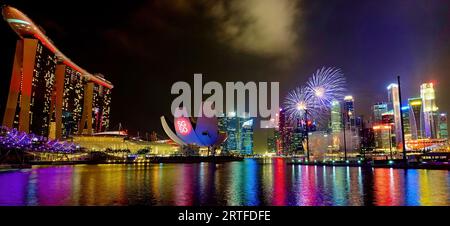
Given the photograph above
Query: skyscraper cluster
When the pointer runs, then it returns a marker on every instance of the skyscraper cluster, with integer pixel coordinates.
(419, 122)
(239, 130)
(421, 119)
(288, 136)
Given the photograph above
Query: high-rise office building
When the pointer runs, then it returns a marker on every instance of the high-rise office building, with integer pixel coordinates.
(50, 95)
(336, 125)
(416, 118)
(349, 112)
(443, 126)
(297, 138)
(430, 109)
(351, 130)
(239, 130)
(406, 114)
(387, 117)
(274, 139)
(271, 144)
(394, 105)
(383, 137)
(222, 123)
(378, 110)
(359, 123)
(233, 131)
(367, 139)
(285, 129)
(247, 137)
(336, 117)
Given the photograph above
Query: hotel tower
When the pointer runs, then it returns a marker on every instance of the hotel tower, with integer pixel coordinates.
(50, 95)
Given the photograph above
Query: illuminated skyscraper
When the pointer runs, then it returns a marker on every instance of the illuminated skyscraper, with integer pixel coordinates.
(278, 143)
(378, 110)
(101, 107)
(336, 126)
(73, 98)
(388, 117)
(49, 94)
(222, 122)
(30, 98)
(394, 105)
(271, 144)
(416, 118)
(336, 117)
(297, 141)
(32, 83)
(443, 126)
(383, 137)
(239, 131)
(247, 137)
(349, 112)
(406, 114)
(360, 124)
(233, 131)
(430, 109)
(285, 132)
(352, 138)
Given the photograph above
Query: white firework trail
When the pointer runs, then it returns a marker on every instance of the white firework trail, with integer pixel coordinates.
(322, 88)
(296, 102)
(326, 85)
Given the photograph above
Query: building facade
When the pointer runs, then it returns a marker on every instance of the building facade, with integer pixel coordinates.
(352, 141)
(336, 117)
(378, 110)
(430, 110)
(416, 118)
(443, 126)
(383, 138)
(395, 107)
(49, 95)
(406, 114)
(247, 137)
(239, 132)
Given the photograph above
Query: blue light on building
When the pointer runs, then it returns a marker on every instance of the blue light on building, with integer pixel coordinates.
(239, 132)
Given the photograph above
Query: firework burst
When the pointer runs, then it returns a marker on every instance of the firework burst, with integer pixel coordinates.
(296, 102)
(324, 86)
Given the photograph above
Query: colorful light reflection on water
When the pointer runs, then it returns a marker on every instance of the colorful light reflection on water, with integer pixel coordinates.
(250, 182)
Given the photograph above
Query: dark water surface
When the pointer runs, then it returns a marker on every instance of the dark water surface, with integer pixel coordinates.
(250, 182)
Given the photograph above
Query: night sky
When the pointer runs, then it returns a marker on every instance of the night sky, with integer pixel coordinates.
(143, 47)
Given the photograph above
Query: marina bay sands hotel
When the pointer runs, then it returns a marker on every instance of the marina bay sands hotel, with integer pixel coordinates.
(49, 95)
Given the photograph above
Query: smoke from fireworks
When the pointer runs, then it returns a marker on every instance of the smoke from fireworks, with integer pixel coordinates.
(326, 85)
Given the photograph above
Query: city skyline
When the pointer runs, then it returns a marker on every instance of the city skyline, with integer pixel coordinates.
(237, 103)
(294, 73)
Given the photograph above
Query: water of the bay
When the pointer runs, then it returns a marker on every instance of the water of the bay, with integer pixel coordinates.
(250, 182)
